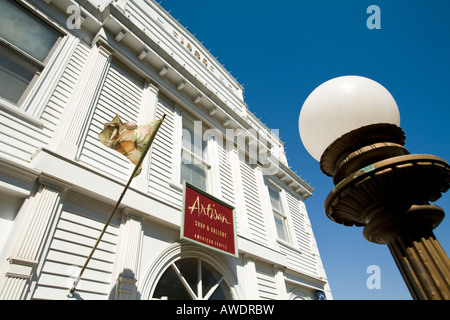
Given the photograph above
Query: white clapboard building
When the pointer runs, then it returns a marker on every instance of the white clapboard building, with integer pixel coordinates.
(67, 67)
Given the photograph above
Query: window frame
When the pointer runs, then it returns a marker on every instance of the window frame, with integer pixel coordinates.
(188, 120)
(49, 74)
(281, 214)
(40, 66)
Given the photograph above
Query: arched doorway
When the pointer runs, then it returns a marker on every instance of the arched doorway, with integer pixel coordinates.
(192, 279)
(189, 272)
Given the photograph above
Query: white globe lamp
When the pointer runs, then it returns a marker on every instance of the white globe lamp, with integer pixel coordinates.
(341, 105)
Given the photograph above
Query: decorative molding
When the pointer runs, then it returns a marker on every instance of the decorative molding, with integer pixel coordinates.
(143, 54)
(120, 35)
(213, 111)
(21, 268)
(198, 99)
(163, 71)
(181, 86)
(227, 122)
(53, 182)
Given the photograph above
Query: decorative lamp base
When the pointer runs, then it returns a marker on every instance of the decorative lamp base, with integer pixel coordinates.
(381, 186)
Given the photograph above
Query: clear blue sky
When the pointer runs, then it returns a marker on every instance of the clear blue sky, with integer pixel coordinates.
(280, 51)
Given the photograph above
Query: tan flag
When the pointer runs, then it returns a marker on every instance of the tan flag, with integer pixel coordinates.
(132, 141)
(129, 139)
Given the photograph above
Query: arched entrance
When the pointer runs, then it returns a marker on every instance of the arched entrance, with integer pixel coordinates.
(189, 272)
(192, 279)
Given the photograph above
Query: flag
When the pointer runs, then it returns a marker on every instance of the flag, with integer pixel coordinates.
(129, 139)
(132, 141)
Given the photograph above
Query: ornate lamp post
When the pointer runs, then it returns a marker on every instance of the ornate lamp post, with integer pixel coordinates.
(351, 125)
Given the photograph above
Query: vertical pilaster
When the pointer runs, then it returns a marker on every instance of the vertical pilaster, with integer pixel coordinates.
(130, 252)
(82, 105)
(45, 209)
(147, 114)
(176, 150)
(252, 285)
(149, 102)
(242, 220)
(281, 284)
(213, 158)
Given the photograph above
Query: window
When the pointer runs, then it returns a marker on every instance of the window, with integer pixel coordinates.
(279, 216)
(25, 45)
(9, 207)
(194, 165)
(192, 279)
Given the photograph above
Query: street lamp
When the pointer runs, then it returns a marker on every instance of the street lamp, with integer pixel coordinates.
(351, 125)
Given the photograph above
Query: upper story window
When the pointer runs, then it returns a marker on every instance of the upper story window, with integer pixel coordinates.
(195, 167)
(25, 46)
(278, 213)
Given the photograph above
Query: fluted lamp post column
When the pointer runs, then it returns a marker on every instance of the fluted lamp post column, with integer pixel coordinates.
(351, 125)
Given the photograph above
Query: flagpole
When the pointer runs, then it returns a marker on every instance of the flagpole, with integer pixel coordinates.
(136, 168)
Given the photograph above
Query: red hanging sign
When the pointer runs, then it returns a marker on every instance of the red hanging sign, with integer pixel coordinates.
(208, 221)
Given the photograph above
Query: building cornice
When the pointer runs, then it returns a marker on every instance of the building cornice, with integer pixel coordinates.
(157, 54)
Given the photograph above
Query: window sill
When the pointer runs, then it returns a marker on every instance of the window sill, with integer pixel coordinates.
(19, 113)
(175, 186)
(288, 245)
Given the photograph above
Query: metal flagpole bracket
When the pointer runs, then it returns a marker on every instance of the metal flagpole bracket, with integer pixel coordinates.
(71, 294)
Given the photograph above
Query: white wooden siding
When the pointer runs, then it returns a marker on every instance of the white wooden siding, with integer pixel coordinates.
(226, 176)
(64, 89)
(265, 279)
(72, 242)
(255, 215)
(162, 153)
(121, 94)
(303, 259)
(18, 138)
